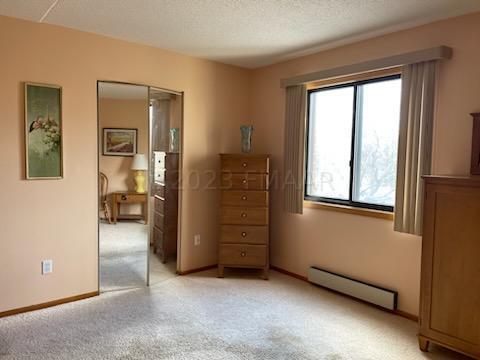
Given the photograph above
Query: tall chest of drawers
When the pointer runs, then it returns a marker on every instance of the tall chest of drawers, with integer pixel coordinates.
(165, 216)
(244, 213)
(450, 280)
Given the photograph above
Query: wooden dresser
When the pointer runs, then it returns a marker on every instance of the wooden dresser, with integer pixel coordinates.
(244, 232)
(165, 216)
(450, 281)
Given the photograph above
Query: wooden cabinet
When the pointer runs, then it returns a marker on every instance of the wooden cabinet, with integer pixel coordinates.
(244, 212)
(126, 197)
(450, 281)
(165, 191)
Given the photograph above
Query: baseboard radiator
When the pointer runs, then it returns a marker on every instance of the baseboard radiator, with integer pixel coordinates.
(370, 293)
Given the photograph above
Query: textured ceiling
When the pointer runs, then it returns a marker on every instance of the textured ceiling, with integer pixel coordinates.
(248, 33)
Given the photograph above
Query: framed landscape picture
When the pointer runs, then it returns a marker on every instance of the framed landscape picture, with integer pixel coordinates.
(43, 131)
(119, 142)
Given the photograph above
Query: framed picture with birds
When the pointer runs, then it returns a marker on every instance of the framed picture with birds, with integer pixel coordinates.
(43, 132)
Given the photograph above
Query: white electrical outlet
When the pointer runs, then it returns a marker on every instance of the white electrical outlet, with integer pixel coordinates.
(196, 239)
(47, 267)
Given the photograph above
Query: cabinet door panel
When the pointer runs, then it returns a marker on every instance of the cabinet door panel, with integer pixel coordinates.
(455, 288)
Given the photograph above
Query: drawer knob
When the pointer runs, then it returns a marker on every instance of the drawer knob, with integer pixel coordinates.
(124, 197)
(244, 164)
(243, 254)
(244, 215)
(244, 234)
(244, 197)
(244, 181)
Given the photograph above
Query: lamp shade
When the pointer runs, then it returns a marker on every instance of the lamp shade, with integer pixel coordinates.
(140, 162)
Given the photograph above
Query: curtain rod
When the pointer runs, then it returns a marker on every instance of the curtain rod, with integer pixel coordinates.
(435, 53)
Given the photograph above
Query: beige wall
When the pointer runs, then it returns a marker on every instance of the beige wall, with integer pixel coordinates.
(57, 219)
(368, 248)
(130, 114)
(176, 112)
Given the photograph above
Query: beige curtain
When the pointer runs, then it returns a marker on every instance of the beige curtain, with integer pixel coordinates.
(415, 144)
(294, 151)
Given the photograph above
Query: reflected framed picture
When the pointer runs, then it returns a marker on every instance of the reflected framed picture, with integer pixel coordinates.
(43, 132)
(119, 142)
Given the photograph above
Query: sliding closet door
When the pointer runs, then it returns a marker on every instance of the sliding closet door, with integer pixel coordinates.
(166, 116)
(123, 128)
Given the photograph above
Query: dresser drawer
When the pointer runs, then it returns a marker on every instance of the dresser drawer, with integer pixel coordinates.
(157, 237)
(159, 175)
(130, 198)
(159, 220)
(238, 234)
(244, 216)
(170, 195)
(159, 159)
(243, 255)
(159, 190)
(245, 164)
(244, 198)
(248, 181)
(169, 178)
(159, 205)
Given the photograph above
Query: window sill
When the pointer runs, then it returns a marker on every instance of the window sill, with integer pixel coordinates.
(348, 210)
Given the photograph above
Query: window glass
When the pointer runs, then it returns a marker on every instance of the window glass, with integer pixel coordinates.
(354, 125)
(330, 137)
(378, 111)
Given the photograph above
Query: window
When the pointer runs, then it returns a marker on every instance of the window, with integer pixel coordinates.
(352, 143)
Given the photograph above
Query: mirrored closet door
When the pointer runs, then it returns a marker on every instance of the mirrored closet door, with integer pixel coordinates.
(123, 119)
(139, 159)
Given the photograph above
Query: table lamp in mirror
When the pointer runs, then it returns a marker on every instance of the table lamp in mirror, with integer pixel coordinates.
(140, 166)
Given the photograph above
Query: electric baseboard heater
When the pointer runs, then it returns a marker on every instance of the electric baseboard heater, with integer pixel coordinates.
(370, 293)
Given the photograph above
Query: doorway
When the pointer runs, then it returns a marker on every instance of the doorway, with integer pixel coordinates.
(136, 236)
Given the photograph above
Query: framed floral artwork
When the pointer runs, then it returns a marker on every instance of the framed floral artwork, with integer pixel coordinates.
(43, 132)
(119, 142)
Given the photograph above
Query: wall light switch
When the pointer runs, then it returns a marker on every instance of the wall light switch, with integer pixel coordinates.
(47, 267)
(196, 239)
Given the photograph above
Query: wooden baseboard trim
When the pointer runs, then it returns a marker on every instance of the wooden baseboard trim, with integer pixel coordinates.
(48, 304)
(286, 272)
(304, 278)
(191, 271)
(406, 315)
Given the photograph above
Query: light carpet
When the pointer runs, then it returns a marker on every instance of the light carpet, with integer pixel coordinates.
(202, 317)
(123, 257)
